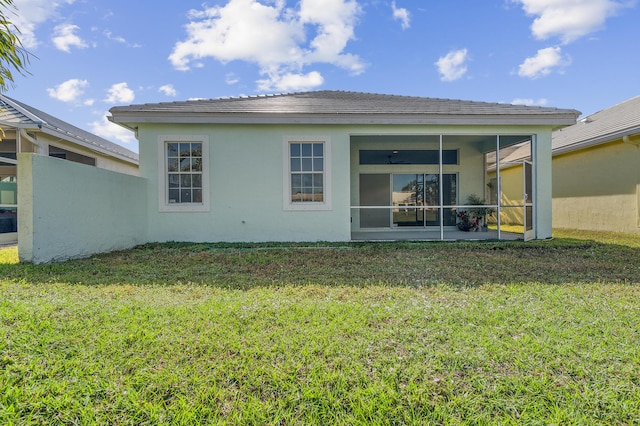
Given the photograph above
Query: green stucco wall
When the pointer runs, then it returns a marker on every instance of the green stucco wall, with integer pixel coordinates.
(246, 180)
(246, 187)
(8, 191)
(69, 210)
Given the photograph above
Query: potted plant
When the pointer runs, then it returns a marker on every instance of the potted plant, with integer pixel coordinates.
(481, 212)
(465, 221)
(473, 218)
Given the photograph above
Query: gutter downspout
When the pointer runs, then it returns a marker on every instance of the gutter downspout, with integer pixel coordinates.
(23, 134)
(632, 139)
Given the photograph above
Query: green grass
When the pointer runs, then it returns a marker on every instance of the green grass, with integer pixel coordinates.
(390, 333)
(8, 255)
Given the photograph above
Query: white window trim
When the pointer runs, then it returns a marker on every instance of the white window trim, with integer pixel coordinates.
(286, 174)
(163, 175)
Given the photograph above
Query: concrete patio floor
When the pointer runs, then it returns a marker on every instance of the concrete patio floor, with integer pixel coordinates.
(428, 235)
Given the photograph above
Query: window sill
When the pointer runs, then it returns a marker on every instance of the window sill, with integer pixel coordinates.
(307, 207)
(183, 208)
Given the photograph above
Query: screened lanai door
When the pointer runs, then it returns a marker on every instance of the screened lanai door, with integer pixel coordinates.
(516, 189)
(527, 171)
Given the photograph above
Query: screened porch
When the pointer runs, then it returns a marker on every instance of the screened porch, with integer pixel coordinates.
(442, 187)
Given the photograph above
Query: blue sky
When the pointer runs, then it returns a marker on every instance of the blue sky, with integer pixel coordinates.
(91, 55)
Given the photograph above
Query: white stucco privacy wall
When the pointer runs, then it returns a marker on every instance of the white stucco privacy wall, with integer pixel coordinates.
(69, 210)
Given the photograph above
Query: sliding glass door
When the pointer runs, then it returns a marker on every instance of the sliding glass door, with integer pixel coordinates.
(407, 200)
(407, 196)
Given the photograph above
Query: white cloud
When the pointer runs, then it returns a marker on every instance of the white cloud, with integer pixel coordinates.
(569, 19)
(69, 91)
(111, 131)
(119, 39)
(334, 22)
(291, 82)
(282, 41)
(30, 14)
(401, 14)
(545, 61)
(65, 37)
(120, 93)
(452, 66)
(168, 90)
(109, 35)
(530, 102)
(231, 78)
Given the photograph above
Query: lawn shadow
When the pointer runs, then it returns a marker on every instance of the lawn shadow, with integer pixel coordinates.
(414, 264)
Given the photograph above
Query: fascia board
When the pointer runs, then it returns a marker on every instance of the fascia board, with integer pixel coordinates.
(130, 119)
(595, 141)
(124, 125)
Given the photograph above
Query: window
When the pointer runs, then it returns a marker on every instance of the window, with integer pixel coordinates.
(306, 177)
(64, 154)
(184, 173)
(408, 156)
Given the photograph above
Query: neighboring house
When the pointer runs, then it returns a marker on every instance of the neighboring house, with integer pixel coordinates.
(596, 171)
(331, 165)
(28, 130)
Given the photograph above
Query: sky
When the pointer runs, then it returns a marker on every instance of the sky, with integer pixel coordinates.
(90, 55)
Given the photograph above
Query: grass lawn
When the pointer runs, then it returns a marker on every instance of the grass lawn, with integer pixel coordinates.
(546, 332)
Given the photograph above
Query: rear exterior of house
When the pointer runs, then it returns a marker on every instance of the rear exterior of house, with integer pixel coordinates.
(596, 171)
(29, 130)
(333, 166)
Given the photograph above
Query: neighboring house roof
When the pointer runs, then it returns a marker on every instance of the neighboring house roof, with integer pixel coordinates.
(20, 115)
(339, 107)
(610, 124)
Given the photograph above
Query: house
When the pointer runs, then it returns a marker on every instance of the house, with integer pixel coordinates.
(596, 171)
(331, 165)
(28, 130)
(311, 166)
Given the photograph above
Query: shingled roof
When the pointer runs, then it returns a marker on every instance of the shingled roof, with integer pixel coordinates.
(339, 107)
(610, 124)
(20, 115)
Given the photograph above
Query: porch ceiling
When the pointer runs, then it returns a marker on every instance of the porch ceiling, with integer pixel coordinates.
(484, 142)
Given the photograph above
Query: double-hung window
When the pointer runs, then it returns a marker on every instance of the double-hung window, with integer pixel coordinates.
(307, 173)
(184, 173)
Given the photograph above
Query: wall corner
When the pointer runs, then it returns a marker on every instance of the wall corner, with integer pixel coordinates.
(25, 206)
